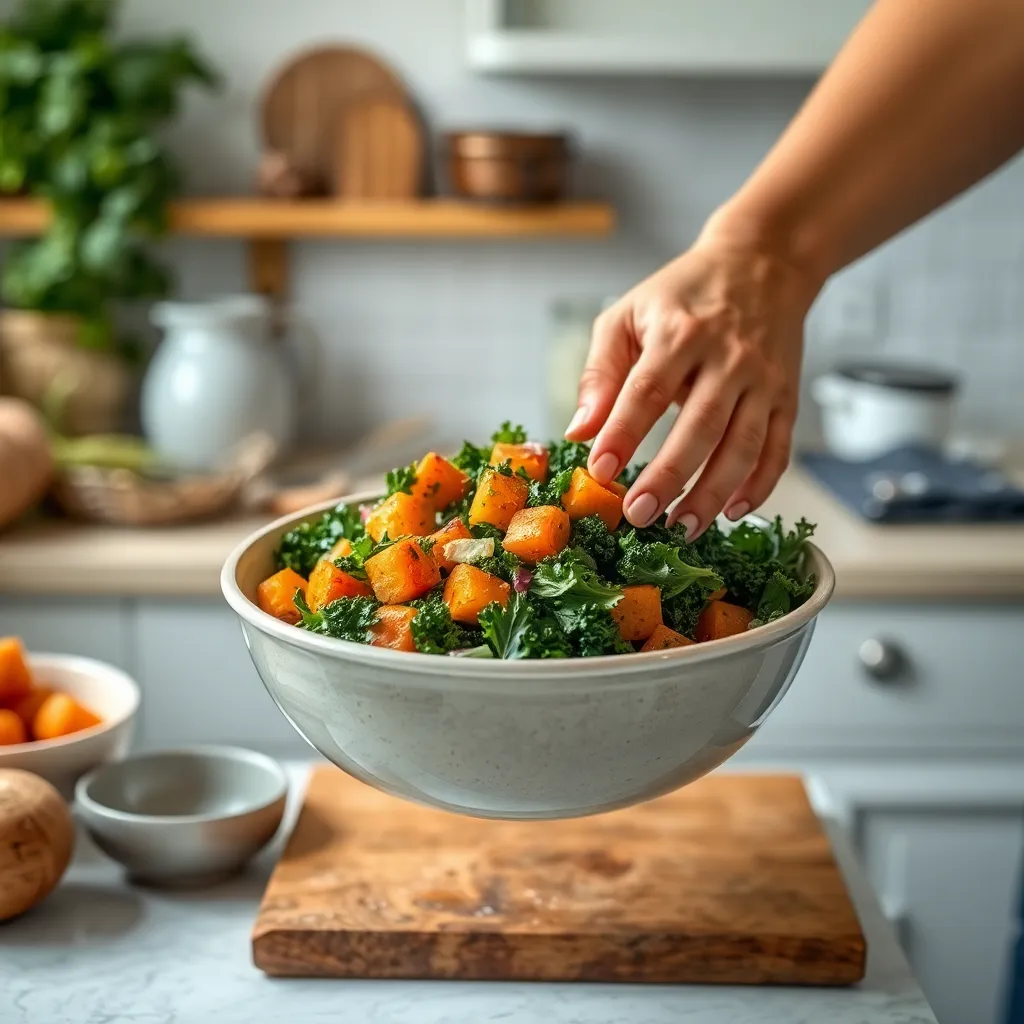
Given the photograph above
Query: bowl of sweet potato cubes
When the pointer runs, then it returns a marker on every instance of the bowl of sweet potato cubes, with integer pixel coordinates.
(60, 715)
(491, 637)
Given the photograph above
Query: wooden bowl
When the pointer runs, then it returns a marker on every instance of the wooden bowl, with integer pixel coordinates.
(510, 167)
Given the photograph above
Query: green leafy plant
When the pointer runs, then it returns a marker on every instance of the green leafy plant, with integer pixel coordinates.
(78, 115)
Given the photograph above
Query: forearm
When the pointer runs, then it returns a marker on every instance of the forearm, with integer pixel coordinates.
(926, 98)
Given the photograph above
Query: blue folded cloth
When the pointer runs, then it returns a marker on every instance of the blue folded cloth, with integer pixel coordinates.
(919, 485)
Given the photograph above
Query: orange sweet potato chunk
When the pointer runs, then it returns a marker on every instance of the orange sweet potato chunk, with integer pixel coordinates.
(15, 675)
(638, 613)
(393, 628)
(470, 590)
(27, 707)
(616, 488)
(342, 547)
(535, 533)
(498, 498)
(664, 639)
(438, 481)
(455, 530)
(721, 619)
(401, 515)
(12, 728)
(402, 572)
(531, 458)
(61, 715)
(586, 497)
(327, 583)
(276, 595)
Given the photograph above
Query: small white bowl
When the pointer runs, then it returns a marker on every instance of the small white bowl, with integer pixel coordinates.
(184, 817)
(104, 690)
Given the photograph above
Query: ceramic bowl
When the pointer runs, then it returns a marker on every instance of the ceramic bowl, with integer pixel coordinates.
(105, 690)
(518, 739)
(184, 817)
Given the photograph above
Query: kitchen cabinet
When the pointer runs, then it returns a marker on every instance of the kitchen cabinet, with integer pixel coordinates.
(657, 37)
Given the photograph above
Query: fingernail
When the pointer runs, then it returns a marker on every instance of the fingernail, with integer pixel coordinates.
(690, 523)
(738, 511)
(604, 467)
(643, 511)
(578, 419)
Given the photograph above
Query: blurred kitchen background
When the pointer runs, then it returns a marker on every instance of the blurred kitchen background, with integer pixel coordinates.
(415, 320)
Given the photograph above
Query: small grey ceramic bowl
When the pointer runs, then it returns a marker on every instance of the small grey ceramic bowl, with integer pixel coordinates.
(184, 817)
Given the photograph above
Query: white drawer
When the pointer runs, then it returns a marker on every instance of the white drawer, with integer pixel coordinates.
(961, 687)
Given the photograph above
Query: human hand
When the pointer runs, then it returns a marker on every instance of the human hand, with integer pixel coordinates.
(719, 332)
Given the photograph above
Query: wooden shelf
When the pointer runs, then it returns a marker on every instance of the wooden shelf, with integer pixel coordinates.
(319, 218)
(269, 224)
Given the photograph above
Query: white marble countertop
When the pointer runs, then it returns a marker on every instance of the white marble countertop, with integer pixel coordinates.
(100, 951)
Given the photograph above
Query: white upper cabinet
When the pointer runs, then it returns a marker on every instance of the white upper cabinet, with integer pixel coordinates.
(657, 37)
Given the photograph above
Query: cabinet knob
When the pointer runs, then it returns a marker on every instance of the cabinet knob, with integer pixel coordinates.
(882, 659)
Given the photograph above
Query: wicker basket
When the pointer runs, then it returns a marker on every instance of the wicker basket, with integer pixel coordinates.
(125, 498)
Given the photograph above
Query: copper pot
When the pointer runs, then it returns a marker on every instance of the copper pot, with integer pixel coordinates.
(508, 167)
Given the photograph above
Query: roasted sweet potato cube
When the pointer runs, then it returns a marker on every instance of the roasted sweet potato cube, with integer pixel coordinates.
(586, 497)
(535, 533)
(15, 675)
(401, 572)
(498, 498)
(721, 619)
(327, 583)
(531, 458)
(393, 627)
(616, 488)
(342, 547)
(401, 515)
(438, 481)
(455, 530)
(470, 590)
(664, 639)
(276, 595)
(638, 613)
(60, 715)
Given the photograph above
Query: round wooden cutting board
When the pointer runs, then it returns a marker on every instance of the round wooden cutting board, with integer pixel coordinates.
(302, 106)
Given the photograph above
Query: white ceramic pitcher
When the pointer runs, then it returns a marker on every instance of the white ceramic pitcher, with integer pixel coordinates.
(219, 375)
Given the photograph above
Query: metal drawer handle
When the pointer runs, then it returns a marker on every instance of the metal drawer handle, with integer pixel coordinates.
(882, 659)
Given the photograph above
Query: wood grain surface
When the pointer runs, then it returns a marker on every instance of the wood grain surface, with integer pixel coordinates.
(302, 104)
(380, 150)
(731, 880)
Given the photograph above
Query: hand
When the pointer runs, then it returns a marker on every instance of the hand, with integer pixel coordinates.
(719, 332)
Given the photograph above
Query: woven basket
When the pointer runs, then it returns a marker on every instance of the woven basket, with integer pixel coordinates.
(124, 498)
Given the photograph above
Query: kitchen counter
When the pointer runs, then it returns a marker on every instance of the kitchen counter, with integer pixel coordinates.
(98, 950)
(948, 562)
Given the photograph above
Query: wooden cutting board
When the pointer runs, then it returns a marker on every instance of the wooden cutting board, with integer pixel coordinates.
(300, 109)
(379, 150)
(730, 880)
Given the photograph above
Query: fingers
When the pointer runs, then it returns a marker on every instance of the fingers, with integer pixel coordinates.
(608, 363)
(700, 427)
(754, 491)
(731, 464)
(650, 387)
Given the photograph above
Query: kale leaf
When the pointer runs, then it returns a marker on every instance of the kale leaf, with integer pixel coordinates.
(628, 476)
(592, 631)
(519, 630)
(301, 547)
(549, 492)
(563, 455)
(569, 579)
(502, 564)
(353, 563)
(348, 618)
(590, 534)
(471, 459)
(662, 565)
(433, 629)
(507, 434)
(401, 479)
(780, 596)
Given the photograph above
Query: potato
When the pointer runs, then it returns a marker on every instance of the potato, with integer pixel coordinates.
(470, 590)
(393, 628)
(638, 613)
(402, 572)
(327, 583)
(586, 497)
(536, 533)
(401, 515)
(664, 639)
(721, 619)
(531, 458)
(438, 481)
(276, 595)
(498, 498)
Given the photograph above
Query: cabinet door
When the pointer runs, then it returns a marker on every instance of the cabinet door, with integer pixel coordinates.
(950, 882)
(199, 684)
(91, 629)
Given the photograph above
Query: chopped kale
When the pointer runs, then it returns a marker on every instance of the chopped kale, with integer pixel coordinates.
(507, 434)
(401, 479)
(348, 618)
(302, 546)
(434, 631)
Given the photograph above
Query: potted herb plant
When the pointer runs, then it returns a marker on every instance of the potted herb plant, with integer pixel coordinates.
(79, 112)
